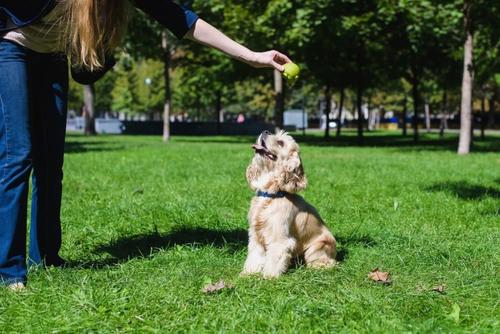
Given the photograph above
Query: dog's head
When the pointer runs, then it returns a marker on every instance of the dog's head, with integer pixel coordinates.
(276, 165)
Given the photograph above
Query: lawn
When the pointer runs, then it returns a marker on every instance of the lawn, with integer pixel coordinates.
(147, 225)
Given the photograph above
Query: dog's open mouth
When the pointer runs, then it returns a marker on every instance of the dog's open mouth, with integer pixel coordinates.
(262, 149)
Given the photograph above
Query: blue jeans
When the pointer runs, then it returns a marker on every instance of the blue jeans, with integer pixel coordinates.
(33, 99)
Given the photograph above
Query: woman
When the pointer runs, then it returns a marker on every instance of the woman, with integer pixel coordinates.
(36, 39)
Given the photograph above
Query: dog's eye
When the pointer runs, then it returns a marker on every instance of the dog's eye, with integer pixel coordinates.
(281, 143)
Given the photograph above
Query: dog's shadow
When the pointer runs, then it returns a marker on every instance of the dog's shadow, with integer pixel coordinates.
(148, 244)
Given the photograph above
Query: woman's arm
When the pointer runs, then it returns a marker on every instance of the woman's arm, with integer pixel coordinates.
(204, 33)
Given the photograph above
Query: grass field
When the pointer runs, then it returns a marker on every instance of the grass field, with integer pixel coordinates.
(147, 225)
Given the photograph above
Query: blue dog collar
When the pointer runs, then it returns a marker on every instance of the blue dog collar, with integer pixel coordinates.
(279, 194)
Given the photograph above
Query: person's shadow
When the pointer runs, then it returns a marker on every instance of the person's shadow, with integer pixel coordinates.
(146, 245)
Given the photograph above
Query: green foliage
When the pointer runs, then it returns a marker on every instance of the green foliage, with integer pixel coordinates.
(103, 98)
(253, 97)
(103, 88)
(130, 93)
(124, 92)
(150, 97)
(383, 47)
(143, 39)
(75, 96)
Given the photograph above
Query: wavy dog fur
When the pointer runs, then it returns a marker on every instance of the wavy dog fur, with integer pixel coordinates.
(288, 226)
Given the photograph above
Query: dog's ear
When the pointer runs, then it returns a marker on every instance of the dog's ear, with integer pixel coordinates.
(292, 178)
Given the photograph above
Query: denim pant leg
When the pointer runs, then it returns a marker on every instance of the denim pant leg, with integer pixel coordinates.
(15, 160)
(48, 133)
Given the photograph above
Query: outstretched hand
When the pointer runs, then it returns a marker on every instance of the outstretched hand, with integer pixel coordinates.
(204, 33)
(271, 58)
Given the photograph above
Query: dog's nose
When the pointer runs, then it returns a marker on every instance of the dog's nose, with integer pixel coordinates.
(265, 132)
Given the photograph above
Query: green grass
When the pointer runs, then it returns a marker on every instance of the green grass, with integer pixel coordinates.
(147, 224)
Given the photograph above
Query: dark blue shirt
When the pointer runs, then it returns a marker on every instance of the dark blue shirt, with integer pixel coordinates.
(21, 13)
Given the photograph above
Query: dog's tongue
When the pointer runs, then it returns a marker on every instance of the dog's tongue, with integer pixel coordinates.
(259, 148)
(263, 151)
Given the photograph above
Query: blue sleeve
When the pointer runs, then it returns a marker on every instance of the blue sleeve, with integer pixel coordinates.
(22, 13)
(169, 14)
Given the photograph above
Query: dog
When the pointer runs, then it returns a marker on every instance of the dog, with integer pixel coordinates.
(282, 224)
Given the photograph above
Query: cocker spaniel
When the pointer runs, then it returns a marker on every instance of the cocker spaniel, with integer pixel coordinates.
(282, 224)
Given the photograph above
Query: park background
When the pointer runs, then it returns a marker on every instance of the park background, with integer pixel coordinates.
(397, 64)
(147, 223)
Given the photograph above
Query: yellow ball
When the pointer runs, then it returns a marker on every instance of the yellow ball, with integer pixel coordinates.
(291, 71)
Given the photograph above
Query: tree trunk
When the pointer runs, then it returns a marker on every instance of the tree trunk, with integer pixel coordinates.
(467, 81)
(279, 91)
(416, 100)
(328, 108)
(167, 107)
(341, 106)
(370, 115)
(359, 103)
(218, 109)
(444, 115)
(405, 113)
(427, 116)
(89, 116)
(491, 111)
(483, 116)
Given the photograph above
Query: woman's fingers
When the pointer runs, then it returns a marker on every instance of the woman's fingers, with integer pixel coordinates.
(277, 66)
(281, 58)
(270, 58)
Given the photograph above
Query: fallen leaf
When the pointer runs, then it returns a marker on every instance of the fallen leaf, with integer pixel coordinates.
(216, 287)
(439, 288)
(455, 312)
(379, 276)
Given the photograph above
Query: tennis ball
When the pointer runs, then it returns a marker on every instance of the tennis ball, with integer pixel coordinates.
(291, 71)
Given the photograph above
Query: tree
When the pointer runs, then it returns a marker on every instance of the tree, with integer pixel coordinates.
(486, 58)
(89, 111)
(479, 17)
(420, 37)
(272, 25)
(124, 93)
(147, 39)
(468, 77)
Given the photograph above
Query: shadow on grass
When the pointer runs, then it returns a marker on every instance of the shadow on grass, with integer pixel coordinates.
(465, 190)
(344, 243)
(145, 245)
(90, 146)
(430, 142)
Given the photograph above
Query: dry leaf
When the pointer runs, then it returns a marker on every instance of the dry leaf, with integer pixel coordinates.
(439, 288)
(216, 287)
(379, 276)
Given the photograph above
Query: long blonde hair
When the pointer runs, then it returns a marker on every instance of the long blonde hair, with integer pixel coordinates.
(91, 29)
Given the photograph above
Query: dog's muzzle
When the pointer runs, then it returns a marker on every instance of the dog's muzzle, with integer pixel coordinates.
(261, 148)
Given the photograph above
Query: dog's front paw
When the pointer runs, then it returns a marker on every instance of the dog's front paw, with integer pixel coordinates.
(323, 263)
(252, 266)
(270, 273)
(245, 272)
